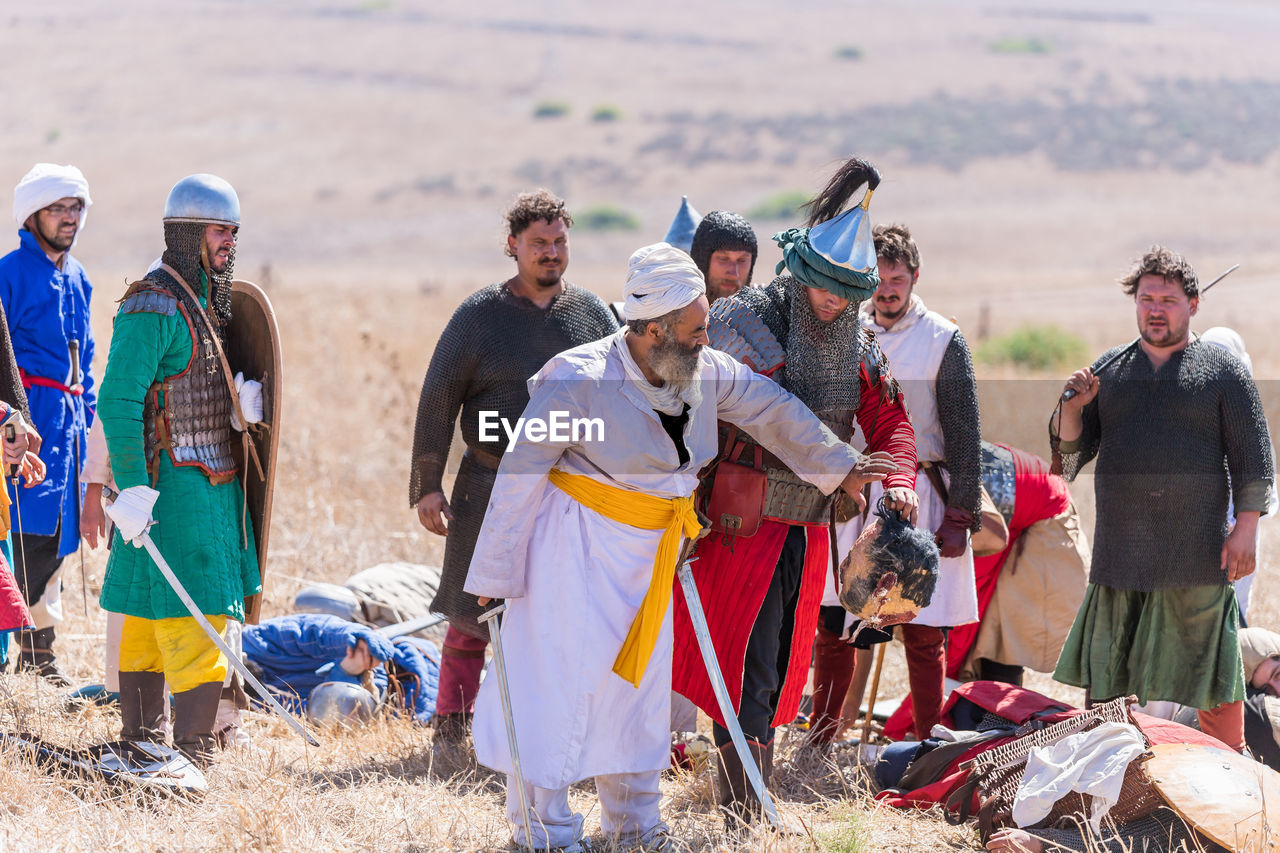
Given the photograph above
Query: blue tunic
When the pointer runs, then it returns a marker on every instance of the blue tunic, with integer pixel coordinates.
(47, 307)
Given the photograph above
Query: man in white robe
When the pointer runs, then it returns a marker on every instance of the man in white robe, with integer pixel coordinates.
(578, 583)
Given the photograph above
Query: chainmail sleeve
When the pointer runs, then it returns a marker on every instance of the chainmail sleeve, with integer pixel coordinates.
(11, 390)
(957, 393)
(1079, 453)
(1247, 440)
(448, 376)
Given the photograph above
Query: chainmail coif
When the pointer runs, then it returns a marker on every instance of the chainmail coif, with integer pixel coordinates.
(723, 229)
(183, 244)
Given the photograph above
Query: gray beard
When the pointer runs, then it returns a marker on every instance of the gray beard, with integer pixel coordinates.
(677, 366)
(823, 361)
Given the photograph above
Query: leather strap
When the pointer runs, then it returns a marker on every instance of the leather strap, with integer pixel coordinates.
(484, 459)
(960, 803)
(931, 470)
(226, 370)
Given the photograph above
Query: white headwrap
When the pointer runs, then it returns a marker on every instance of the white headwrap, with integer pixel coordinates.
(44, 185)
(660, 279)
(1229, 340)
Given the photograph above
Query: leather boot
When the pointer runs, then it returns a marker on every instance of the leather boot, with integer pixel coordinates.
(142, 698)
(733, 790)
(35, 654)
(787, 825)
(194, 713)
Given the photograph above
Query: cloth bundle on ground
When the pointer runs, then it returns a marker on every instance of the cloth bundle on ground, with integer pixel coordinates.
(932, 768)
(295, 653)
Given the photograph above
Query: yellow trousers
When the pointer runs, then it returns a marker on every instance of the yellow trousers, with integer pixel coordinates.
(178, 647)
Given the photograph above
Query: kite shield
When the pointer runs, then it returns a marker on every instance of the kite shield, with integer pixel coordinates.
(1231, 799)
(253, 347)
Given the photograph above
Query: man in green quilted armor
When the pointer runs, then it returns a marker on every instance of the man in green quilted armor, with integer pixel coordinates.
(168, 412)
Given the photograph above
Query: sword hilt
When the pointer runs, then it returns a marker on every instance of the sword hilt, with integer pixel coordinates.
(11, 435)
(73, 348)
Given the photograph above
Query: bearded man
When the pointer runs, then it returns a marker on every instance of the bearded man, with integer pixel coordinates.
(931, 362)
(167, 412)
(582, 536)
(1178, 429)
(496, 340)
(762, 593)
(45, 294)
(724, 248)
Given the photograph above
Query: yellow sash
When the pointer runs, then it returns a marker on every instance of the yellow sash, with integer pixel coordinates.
(675, 517)
(5, 523)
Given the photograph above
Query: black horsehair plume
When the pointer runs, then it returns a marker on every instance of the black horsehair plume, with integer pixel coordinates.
(831, 202)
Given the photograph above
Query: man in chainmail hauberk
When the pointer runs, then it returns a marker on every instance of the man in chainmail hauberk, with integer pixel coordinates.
(497, 338)
(1177, 428)
(167, 410)
(724, 248)
(932, 364)
(761, 593)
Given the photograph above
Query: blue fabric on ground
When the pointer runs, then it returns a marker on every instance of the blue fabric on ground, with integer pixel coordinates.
(297, 652)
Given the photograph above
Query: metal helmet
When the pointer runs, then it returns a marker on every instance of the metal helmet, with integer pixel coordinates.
(329, 598)
(202, 198)
(340, 702)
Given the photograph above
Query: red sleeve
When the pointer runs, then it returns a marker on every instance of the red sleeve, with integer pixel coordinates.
(887, 427)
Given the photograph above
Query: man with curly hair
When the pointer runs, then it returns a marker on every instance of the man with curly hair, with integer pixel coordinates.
(1177, 428)
(497, 338)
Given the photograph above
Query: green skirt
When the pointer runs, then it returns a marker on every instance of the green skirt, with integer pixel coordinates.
(1178, 645)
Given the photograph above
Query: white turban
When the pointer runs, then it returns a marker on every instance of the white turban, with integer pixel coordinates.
(44, 185)
(660, 279)
(1229, 340)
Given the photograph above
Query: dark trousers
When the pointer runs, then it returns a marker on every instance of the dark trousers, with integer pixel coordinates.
(40, 554)
(1009, 673)
(769, 645)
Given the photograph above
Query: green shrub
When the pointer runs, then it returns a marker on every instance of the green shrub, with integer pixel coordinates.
(849, 52)
(605, 217)
(550, 109)
(606, 112)
(783, 205)
(1019, 45)
(1035, 348)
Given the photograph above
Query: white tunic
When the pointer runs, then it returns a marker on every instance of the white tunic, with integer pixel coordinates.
(914, 347)
(574, 579)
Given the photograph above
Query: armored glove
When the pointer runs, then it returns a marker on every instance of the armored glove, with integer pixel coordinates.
(953, 536)
(132, 512)
(250, 392)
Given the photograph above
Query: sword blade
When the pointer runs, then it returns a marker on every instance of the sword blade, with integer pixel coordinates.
(508, 716)
(231, 656)
(727, 713)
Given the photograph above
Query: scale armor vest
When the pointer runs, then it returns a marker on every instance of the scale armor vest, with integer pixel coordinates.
(998, 479)
(186, 415)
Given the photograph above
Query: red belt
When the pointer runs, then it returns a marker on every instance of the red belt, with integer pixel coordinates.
(28, 380)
